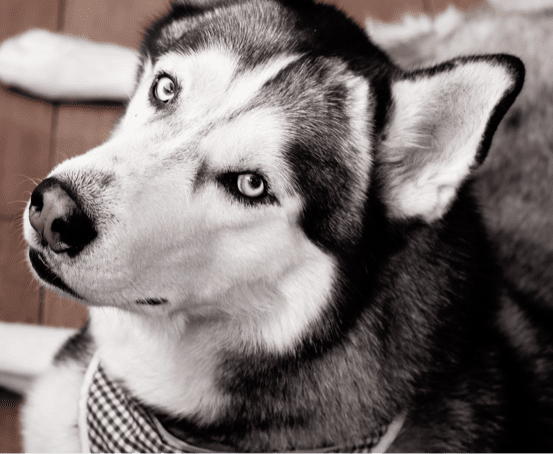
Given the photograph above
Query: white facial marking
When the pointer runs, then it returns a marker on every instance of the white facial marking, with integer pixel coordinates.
(254, 141)
(249, 84)
(304, 294)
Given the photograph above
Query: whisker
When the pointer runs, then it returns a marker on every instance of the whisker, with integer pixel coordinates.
(23, 202)
(24, 177)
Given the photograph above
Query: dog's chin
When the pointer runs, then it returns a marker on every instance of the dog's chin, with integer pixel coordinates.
(46, 275)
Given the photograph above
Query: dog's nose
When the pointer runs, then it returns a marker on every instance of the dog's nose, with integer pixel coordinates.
(58, 219)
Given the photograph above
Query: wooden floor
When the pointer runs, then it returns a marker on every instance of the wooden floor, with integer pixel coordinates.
(36, 135)
(10, 438)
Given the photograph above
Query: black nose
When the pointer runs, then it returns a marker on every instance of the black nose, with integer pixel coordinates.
(58, 219)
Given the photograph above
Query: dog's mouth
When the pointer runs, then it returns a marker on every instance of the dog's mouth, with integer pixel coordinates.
(38, 262)
(41, 267)
(152, 301)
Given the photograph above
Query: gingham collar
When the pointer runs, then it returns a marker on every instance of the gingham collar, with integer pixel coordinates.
(111, 420)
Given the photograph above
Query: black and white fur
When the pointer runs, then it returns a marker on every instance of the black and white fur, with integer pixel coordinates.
(358, 286)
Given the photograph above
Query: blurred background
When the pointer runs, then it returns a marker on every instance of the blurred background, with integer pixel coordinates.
(35, 135)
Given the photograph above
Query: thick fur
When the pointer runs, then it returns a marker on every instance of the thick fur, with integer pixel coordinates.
(363, 283)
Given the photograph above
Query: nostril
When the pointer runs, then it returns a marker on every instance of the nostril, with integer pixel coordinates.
(74, 231)
(37, 201)
(59, 226)
(60, 234)
(36, 218)
(58, 218)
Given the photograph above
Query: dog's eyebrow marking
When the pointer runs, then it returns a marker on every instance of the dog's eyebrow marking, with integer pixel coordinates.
(248, 83)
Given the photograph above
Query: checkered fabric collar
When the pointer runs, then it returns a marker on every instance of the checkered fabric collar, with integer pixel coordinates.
(111, 420)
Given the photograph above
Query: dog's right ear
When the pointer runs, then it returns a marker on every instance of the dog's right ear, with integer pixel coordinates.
(439, 128)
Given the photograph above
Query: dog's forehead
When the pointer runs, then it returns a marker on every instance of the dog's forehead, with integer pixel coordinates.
(257, 32)
(257, 39)
(267, 64)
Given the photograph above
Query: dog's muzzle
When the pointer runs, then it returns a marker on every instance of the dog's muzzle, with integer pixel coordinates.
(58, 219)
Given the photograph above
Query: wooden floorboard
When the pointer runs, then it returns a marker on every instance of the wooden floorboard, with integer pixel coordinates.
(10, 433)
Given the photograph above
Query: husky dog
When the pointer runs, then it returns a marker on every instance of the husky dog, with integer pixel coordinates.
(281, 250)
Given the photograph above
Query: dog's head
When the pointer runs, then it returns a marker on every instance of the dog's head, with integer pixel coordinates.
(241, 175)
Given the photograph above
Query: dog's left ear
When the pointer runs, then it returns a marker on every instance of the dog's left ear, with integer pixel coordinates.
(440, 128)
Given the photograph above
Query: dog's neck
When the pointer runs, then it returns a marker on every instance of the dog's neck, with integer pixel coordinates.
(171, 360)
(164, 361)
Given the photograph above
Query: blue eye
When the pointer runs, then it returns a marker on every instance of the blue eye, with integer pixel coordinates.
(250, 185)
(164, 89)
